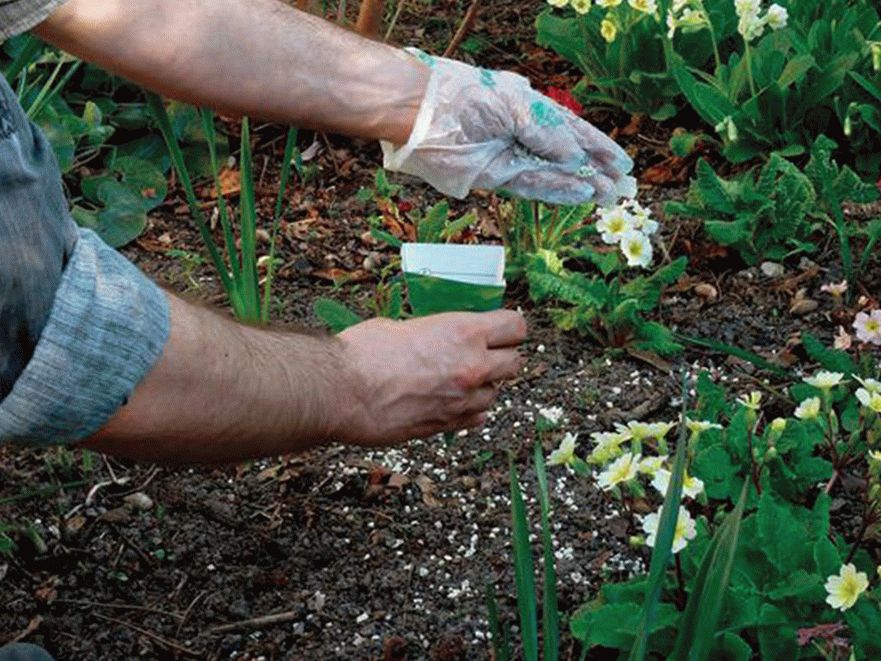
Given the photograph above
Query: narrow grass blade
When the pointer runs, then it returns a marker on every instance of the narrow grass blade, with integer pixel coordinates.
(229, 240)
(48, 95)
(737, 352)
(524, 570)
(501, 642)
(160, 115)
(285, 178)
(550, 607)
(25, 58)
(663, 550)
(248, 213)
(697, 628)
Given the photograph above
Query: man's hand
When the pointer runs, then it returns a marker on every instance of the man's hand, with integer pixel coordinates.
(487, 129)
(415, 378)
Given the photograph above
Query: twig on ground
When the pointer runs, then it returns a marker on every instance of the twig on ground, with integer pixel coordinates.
(32, 626)
(255, 623)
(126, 607)
(164, 642)
(190, 610)
(464, 29)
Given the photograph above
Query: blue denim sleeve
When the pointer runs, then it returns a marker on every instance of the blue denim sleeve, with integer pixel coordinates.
(80, 326)
(107, 328)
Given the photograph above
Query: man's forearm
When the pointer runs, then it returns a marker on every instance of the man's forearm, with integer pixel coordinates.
(253, 57)
(222, 392)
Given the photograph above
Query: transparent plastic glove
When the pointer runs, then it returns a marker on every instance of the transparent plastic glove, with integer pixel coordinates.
(488, 129)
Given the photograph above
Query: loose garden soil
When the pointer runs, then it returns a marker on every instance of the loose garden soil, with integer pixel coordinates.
(360, 553)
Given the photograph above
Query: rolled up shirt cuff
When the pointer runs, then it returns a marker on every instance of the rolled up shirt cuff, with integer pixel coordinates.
(108, 326)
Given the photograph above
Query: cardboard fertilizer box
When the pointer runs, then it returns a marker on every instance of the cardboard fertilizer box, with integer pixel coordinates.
(453, 278)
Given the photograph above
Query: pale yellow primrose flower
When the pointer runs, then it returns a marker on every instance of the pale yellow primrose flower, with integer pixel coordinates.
(845, 588)
(581, 6)
(659, 430)
(778, 424)
(645, 6)
(559, 4)
(868, 327)
(651, 465)
(692, 487)
(637, 248)
(609, 4)
(870, 400)
(565, 454)
(608, 447)
(638, 431)
(870, 384)
(622, 470)
(808, 409)
(614, 223)
(685, 529)
(753, 401)
(824, 380)
(777, 17)
(700, 426)
(608, 30)
(875, 455)
(642, 217)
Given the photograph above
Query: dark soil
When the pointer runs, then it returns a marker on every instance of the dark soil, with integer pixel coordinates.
(380, 554)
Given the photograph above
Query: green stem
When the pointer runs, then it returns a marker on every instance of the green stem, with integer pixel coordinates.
(749, 68)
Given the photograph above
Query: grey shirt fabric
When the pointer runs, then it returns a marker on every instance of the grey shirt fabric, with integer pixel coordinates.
(17, 16)
(80, 326)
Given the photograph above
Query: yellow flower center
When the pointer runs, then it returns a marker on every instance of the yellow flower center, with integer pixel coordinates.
(850, 589)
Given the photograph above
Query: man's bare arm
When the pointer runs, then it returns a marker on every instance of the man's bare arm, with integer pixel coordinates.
(224, 392)
(252, 57)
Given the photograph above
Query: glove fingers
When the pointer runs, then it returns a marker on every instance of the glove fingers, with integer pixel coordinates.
(552, 186)
(547, 132)
(604, 152)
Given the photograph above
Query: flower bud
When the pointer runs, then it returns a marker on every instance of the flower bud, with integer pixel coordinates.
(778, 425)
(875, 47)
(636, 541)
(771, 454)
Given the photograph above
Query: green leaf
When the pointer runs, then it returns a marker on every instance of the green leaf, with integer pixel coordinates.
(524, 570)
(501, 642)
(550, 608)
(335, 315)
(122, 219)
(829, 359)
(777, 634)
(699, 623)
(430, 228)
(796, 70)
(730, 647)
(713, 465)
(615, 625)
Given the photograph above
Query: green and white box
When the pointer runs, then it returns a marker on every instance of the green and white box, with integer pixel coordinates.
(453, 278)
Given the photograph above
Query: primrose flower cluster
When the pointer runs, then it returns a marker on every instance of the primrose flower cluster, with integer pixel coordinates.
(634, 454)
(629, 226)
(686, 15)
(610, 25)
(751, 22)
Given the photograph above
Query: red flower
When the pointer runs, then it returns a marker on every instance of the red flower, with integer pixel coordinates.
(565, 99)
(404, 206)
